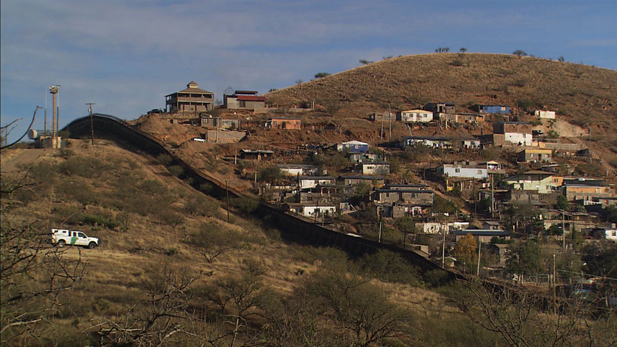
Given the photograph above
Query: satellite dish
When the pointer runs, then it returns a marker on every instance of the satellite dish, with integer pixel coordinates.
(33, 134)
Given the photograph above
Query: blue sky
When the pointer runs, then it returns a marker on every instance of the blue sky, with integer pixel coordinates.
(125, 56)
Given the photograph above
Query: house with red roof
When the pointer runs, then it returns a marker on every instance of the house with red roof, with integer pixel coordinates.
(244, 100)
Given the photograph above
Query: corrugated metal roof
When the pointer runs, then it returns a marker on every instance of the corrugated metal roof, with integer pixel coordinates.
(251, 98)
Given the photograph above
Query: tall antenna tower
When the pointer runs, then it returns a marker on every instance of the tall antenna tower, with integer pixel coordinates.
(54, 90)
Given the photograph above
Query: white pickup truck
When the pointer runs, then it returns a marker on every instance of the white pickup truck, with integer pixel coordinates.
(63, 237)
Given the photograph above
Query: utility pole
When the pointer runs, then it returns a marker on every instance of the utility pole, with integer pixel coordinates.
(390, 119)
(492, 198)
(91, 121)
(53, 90)
(479, 254)
(563, 229)
(227, 191)
(443, 247)
(554, 283)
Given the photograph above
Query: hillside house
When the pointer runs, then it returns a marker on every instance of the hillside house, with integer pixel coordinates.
(375, 168)
(251, 154)
(382, 117)
(438, 227)
(364, 157)
(519, 133)
(206, 120)
(481, 235)
(463, 170)
(535, 155)
(308, 182)
(244, 100)
(355, 180)
(352, 147)
(492, 109)
(314, 198)
(311, 210)
(545, 114)
(190, 100)
(541, 181)
(416, 197)
(397, 210)
(407, 186)
(298, 169)
(440, 107)
(585, 190)
(462, 118)
(288, 123)
(605, 233)
(415, 116)
(428, 141)
(442, 142)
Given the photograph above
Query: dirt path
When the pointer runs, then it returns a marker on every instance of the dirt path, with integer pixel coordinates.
(12, 160)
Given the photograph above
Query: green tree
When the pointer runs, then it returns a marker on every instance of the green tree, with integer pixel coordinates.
(563, 203)
(406, 225)
(271, 174)
(519, 53)
(321, 74)
(525, 259)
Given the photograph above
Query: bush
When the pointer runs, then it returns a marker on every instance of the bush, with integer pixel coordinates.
(87, 167)
(391, 267)
(176, 170)
(164, 159)
(246, 205)
(199, 205)
(171, 217)
(100, 220)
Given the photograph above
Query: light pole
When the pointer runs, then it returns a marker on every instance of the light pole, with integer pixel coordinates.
(91, 121)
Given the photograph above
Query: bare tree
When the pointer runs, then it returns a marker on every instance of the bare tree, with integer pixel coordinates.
(34, 275)
(528, 318)
(213, 242)
(155, 319)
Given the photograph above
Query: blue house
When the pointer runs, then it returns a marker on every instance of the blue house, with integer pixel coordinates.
(495, 109)
(353, 147)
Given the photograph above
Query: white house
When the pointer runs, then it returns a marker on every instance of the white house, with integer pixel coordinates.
(375, 168)
(415, 116)
(463, 170)
(545, 114)
(298, 169)
(513, 132)
(312, 210)
(307, 182)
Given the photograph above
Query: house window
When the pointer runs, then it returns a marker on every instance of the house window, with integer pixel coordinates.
(457, 170)
(479, 172)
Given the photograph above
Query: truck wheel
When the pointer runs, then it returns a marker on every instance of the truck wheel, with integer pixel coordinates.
(61, 243)
(92, 245)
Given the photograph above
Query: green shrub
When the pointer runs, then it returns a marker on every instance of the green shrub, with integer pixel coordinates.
(244, 204)
(199, 205)
(100, 220)
(170, 217)
(164, 159)
(176, 170)
(391, 267)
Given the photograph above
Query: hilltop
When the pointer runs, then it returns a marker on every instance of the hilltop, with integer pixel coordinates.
(582, 94)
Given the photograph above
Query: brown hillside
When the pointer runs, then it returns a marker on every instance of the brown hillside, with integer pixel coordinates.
(583, 95)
